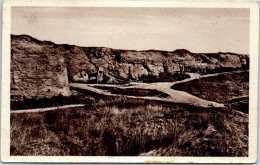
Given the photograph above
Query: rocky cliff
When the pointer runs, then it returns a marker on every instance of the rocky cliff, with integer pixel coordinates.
(43, 69)
(37, 69)
(119, 65)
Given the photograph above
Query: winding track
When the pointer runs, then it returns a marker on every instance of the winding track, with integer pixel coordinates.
(176, 96)
(165, 87)
(47, 109)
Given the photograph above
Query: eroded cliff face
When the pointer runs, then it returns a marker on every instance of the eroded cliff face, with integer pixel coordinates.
(37, 70)
(43, 69)
(130, 64)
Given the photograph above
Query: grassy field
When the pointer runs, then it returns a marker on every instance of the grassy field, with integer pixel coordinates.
(133, 91)
(49, 102)
(122, 126)
(222, 89)
(164, 77)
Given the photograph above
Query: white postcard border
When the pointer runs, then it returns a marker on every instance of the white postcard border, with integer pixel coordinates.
(253, 95)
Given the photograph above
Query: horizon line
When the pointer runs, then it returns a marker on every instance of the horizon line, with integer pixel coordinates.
(180, 49)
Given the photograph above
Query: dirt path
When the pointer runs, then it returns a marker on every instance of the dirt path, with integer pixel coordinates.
(165, 87)
(238, 98)
(175, 96)
(47, 109)
(194, 76)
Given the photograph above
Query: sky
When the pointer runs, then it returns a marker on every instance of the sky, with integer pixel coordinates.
(199, 30)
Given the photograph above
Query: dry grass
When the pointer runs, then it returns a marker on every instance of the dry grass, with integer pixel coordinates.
(133, 91)
(49, 102)
(220, 89)
(123, 126)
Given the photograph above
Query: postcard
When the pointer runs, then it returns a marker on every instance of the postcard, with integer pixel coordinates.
(129, 81)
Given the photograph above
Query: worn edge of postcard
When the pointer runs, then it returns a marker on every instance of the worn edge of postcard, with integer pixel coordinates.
(253, 83)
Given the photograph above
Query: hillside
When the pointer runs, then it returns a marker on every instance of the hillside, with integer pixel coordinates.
(43, 68)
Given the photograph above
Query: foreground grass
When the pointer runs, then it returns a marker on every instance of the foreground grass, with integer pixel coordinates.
(122, 126)
(49, 102)
(222, 89)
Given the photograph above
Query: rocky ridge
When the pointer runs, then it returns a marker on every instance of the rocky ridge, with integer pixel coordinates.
(37, 70)
(44, 69)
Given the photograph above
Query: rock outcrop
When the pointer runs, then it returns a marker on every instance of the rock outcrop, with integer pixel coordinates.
(37, 70)
(43, 69)
(130, 64)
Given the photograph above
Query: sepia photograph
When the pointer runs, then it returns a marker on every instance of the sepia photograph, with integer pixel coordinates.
(151, 82)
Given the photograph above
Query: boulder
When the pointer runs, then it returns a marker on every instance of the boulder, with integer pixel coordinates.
(138, 71)
(230, 61)
(155, 69)
(81, 77)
